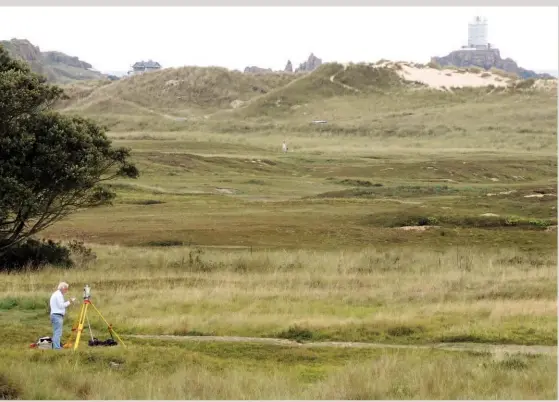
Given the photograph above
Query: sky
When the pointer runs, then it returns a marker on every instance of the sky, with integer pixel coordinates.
(114, 38)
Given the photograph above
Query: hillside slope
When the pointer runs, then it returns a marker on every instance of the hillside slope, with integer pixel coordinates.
(352, 99)
(57, 67)
(327, 81)
(185, 91)
(384, 83)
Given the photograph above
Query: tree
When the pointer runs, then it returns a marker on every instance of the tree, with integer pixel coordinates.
(50, 164)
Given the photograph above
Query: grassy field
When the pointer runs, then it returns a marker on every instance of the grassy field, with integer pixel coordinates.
(240, 371)
(411, 218)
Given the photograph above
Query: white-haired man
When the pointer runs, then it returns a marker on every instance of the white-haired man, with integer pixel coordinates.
(57, 312)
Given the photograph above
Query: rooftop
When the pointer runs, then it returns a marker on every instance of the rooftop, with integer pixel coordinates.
(146, 64)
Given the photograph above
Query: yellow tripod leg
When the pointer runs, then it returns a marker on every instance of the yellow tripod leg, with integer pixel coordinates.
(80, 326)
(68, 343)
(108, 325)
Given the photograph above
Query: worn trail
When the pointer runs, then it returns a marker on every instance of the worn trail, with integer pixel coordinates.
(464, 347)
(333, 80)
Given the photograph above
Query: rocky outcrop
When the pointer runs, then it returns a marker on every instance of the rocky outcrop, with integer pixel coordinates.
(258, 70)
(55, 66)
(311, 64)
(288, 67)
(58, 57)
(486, 59)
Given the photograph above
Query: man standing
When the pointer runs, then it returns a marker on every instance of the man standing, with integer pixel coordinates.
(57, 312)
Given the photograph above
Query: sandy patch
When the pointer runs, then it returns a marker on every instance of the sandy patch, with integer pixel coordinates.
(534, 196)
(501, 193)
(418, 228)
(225, 190)
(237, 103)
(447, 78)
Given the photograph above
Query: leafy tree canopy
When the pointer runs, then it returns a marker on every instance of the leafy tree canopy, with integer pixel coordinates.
(50, 164)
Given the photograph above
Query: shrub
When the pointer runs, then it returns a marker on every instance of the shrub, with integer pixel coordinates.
(512, 220)
(165, 243)
(434, 64)
(296, 333)
(83, 253)
(525, 84)
(35, 254)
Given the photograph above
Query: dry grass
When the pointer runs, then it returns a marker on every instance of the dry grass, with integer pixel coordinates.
(419, 121)
(366, 295)
(245, 194)
(178, 91)
(438, 377)
(206, 372)
(224, 235)
(409, 296)
(362, 101)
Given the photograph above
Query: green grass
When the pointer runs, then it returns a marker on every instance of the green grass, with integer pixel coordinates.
(238, 371)
(266, 200)
(412, 217)
(388, 295)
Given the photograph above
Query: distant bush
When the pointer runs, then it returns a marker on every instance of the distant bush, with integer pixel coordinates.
(36, 254)
(147, 202)
(297, 333)
(525, 84)
(80, 252)
(433, 64)
(165, 243)
(503, 73)
(256, 181)
(362, 183)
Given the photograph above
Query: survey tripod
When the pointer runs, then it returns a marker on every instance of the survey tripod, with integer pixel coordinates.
(78, 327)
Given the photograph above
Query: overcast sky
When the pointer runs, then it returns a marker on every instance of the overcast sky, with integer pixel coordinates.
(113, 38)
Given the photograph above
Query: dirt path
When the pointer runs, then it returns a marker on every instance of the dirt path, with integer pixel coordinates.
(151, 111)
(332, 80)
(464, 347)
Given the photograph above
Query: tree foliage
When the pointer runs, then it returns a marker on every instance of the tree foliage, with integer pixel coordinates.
(50, 165)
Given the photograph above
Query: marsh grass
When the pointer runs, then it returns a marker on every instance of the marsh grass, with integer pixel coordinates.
(394, 296)
(238, 371)
(224, 235)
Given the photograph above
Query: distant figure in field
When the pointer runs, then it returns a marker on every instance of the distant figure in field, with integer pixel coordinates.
(284, 147)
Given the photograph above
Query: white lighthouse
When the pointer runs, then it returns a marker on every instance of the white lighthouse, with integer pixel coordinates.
(477, 33)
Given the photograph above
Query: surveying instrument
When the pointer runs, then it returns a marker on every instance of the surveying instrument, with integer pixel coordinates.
(78, 327)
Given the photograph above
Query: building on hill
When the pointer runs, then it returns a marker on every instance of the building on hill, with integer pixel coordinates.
(482, 54)
(141, 67)
(478, 35)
